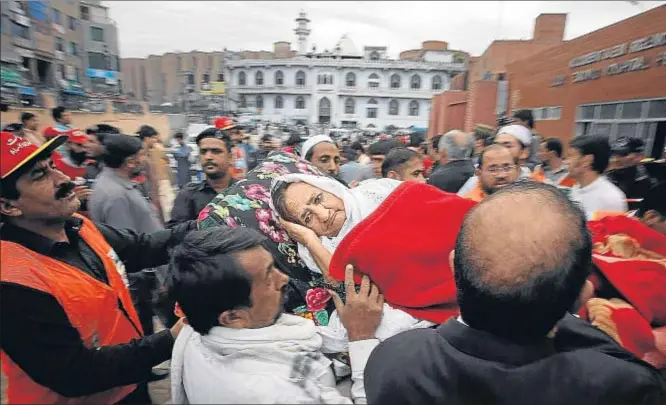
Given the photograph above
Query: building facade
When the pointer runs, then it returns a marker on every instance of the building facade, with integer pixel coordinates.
(611, 82)
(101, 61)
(343, 87)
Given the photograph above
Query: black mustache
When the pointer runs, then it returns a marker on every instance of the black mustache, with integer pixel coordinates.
(64, 190)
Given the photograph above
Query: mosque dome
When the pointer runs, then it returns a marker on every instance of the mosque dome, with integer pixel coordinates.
(346, 47)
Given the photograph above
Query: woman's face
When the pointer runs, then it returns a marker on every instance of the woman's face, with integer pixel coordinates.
(315, 208)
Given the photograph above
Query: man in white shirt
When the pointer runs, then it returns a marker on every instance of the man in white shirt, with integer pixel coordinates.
(239, 348)
(588, 158)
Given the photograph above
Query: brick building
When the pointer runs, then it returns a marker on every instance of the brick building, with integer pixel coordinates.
(611, 81)
(481, 92)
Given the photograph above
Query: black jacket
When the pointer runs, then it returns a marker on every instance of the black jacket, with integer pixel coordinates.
(452, 176)
(455, 364)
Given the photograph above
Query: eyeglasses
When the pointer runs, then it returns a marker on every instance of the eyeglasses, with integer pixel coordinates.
(494, 170)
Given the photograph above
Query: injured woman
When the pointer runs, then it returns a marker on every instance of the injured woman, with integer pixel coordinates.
(399, 234)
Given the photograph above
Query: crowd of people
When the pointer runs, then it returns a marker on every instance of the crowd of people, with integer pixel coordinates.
(493, 267)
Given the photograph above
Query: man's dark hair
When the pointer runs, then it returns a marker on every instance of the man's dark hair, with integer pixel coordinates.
(416, 140)
(525, 115)
(100, 131)
(179, 135)
(396, 158)
(207, 279)
(357, 146)
(146, 131)
(384, 146)
(595, 145)
(267, 138)
(491, 148)
(655, 200)
(26, 116)
(117, 148)
(293, 140)
(518, 279)
(554, 145)
(212, 132)
(434, 142)
(57, 113)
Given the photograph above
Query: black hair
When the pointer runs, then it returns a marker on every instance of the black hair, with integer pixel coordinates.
(527, 310)
(267, 138)
(554, 145)
(278, 195)
(293, 140)
(595, 145)
(117, 148)
(396, 158)
(179, 135)
(57, 113)
(357, 146)
(434, 142)
(384, 146)
(525, 115)
(213, 132)
(14, 127)
(26, 116)
(207, 280)
(654, 200)
(146, 131)
(416, 140)
(490, 148)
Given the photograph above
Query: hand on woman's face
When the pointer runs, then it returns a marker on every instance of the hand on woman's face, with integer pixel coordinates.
(315, 209)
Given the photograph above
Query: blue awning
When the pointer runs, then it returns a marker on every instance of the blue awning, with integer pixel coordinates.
(28, 91)
(74, 92)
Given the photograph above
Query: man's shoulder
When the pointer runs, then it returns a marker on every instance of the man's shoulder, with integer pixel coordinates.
(411, 348)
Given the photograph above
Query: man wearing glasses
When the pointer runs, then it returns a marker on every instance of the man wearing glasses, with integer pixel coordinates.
(497, 168)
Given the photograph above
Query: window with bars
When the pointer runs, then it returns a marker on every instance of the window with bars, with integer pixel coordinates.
(415, 82)
(414, 108)
(300, 103)
(395, 81)
(373, 81)
(279, 78)
(350, 80)
(242, 101)
(394, 107)
(279, 103)
(241, 78)
(259, 102)
(436, 83)
(300, 78)
(350, 106)
(97, 34)
(259, 79)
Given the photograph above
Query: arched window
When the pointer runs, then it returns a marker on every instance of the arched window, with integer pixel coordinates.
(415, 82)
(259, 79)
(324, 110)
(373, 81)
(436, 82)
(394, 107)
(325, 79)
(259, 101)
(300, 102)
(241, 79)
(350, 79)
(242, 102)
(279, 103)
(350, 106)
(414, 108)
(395, 81)
(374, 55)
(372, 108)
(300, 78)
(279, 78)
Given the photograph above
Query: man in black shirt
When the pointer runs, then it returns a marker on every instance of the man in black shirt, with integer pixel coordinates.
(215, 158)
(46, 347)
(455, 153)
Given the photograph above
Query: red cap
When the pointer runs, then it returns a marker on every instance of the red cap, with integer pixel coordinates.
(16, 152)
(51, 132)
(77, 136)
(223, 123)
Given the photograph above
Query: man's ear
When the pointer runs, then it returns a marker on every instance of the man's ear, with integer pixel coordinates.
(525, 153)
(8, 208)
(587, 161)
(452, 256)
(393, 175)
(477, 172)
(586, 293)
(234, 318)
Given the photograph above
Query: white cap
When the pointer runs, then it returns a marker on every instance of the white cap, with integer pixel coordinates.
(519, 132)
(315, 140)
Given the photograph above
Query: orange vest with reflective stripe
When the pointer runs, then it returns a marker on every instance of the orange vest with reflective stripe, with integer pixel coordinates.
(538, 175)
(237, 170)
(475, 194)
(93, 308)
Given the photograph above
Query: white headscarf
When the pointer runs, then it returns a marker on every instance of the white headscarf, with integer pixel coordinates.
(315, 140)
(359, 203)
(519, 132)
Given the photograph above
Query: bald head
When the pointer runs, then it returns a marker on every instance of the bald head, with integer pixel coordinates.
(521, 260)
(456, 145)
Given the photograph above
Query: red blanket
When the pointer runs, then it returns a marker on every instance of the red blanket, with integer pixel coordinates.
(404, 246)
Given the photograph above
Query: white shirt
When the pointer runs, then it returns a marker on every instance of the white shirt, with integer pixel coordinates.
(600, 195)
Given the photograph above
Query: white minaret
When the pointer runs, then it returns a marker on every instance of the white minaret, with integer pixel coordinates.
(302, 31)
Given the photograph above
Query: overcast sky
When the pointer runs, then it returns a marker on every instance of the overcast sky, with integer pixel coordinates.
(147, 27)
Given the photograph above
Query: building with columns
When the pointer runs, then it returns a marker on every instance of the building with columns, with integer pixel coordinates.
(342, 86)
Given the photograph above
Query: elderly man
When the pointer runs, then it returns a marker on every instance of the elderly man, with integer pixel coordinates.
(455, 153)
(74, 336)
(515, 331)
(323, 153)
(238, 347)
(497, 168)
(517, 139)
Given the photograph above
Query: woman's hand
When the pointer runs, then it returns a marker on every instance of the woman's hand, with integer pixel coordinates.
(298, 233)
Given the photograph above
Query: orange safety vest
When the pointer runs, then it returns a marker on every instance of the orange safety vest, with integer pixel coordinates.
(475, 194)
(237, 168)
(91, 306)
(539, 175)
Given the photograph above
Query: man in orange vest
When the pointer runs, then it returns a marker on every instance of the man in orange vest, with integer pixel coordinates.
(552, 169)
(497, 168)
(240, 150)
(71, 334)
